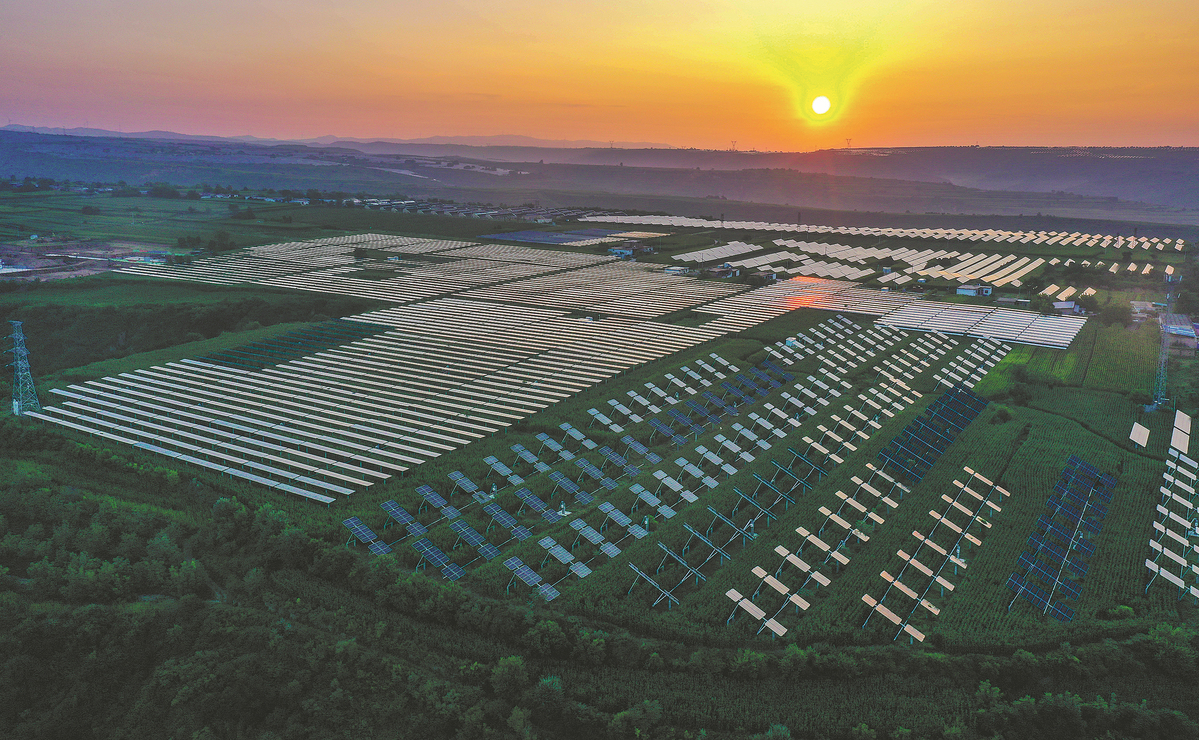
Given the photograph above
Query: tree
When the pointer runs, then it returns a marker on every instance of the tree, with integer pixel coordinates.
(1116, 313)
(548, 699)
(509, 677)
(1042, 304)
(636, 721)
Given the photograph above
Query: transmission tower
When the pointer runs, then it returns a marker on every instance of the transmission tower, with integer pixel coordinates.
(1163, 359)
(24, 395)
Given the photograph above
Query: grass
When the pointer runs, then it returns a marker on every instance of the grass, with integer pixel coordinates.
(1102, 358)
(186, 350)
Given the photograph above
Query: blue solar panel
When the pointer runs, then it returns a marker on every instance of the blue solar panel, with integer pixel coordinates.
(468, 533)
(615, 514)
(433, 498)
(379, 548)
(498, 466)
(360, 530)
(764, 377)
(430, 552)
(1073, 509)
(587, 467)
(450, 512)
(521, 533)
(489, 551)
(561, 480)
(461, 480)
(736, 392)
(548, 592)
(580, 570)
(528, 498)
(524, 454)
(501, 517)
(453, 572)
(609, 549)
(396, 512)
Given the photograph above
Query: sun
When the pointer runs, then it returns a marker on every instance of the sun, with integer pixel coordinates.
(821, 105)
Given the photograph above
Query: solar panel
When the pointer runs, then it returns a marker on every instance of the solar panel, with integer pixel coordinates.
(526, 574)
(549, 442)
(468, 533)
(609, 549)
(503, 518)
(450, 512)
(615, 514)
(587, 467)
(497, 466)
(548, 592)
(453, 571)
(1073, 509)
(379, 548)
(561, 480)
(431, 497)
(524, 454)
(462, 481)
(396, 512)
(633, 444)
(586, 531)
(360, 530)
(489, 551)
(520, 533)
(580, 570)
(430, 552)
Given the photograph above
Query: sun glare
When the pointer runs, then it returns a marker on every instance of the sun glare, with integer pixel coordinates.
(821, 105)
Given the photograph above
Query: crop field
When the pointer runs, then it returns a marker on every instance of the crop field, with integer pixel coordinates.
(1101, 358)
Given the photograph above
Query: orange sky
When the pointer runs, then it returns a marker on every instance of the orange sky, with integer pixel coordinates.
(699, 73)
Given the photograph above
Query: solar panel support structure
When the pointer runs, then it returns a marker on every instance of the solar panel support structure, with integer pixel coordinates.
(24, 394)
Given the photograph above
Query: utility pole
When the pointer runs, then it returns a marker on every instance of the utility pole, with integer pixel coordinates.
(24, 395)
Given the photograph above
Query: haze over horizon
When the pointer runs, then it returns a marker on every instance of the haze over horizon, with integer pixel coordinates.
(919, 74)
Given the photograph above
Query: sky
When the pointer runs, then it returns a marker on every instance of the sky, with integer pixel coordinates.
(689, 73)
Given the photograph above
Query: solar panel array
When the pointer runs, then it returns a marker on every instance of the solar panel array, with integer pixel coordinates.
(1172, 555)
(1060, 547)
(620, 289)
(942, 548)
(1047, 238)
(918, 447)
(326, 424)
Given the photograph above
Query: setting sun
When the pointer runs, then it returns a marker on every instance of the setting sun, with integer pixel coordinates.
(821, 105)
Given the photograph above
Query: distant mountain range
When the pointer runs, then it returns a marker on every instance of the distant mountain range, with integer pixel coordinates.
(1133, 184)
(507, 140)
